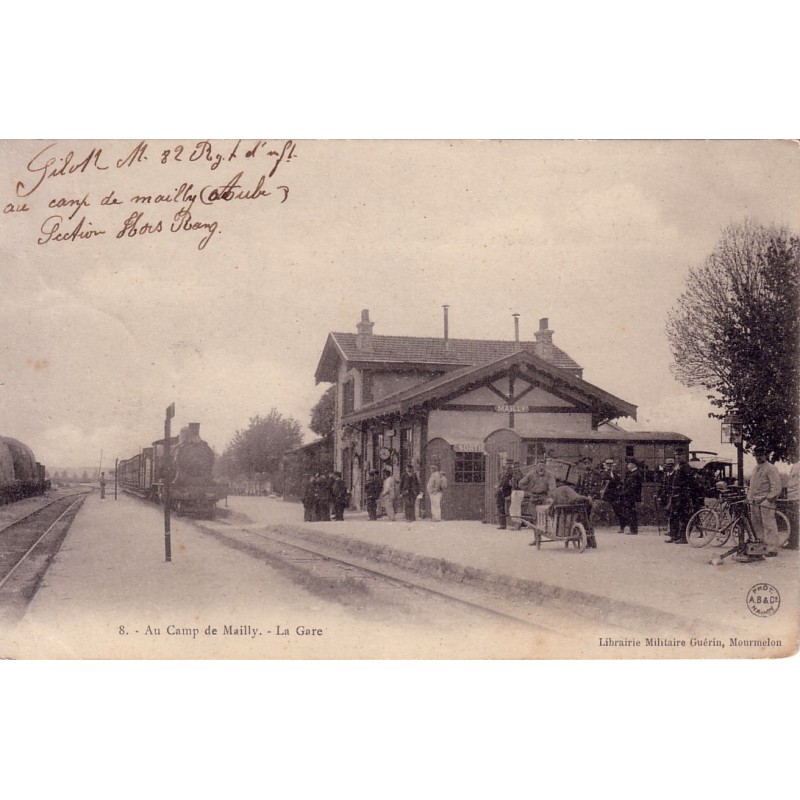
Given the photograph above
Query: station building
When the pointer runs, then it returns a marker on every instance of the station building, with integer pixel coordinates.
(468, 406)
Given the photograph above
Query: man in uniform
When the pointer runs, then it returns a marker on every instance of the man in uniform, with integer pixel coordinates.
(630, 495)
(409, 489)
(610, 491)
(664, 492)
(372, 491)
(339, 496)
(502, 495)
(682, 500)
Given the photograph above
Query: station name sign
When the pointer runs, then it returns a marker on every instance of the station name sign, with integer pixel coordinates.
(512, 409)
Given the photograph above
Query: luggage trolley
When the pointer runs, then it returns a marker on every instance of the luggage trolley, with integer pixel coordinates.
(557, 523)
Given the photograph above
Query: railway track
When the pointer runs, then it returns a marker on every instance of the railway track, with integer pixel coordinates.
(350, 579)
(28, 544)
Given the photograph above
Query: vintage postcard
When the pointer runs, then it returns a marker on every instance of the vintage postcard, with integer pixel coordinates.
(397, 399)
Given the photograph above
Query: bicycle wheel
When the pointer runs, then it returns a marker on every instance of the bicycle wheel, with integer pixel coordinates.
(702, 528)
(782, 523)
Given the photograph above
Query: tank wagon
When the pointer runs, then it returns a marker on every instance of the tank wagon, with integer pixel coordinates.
(192, 488)
(21, 475)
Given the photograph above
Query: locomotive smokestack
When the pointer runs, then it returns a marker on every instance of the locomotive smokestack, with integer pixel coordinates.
(194, 428)
(446, 329)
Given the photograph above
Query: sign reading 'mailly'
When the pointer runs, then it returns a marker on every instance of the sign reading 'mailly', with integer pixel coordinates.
(512, 409)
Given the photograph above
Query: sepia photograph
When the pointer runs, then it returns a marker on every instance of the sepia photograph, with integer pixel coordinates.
(399, 399)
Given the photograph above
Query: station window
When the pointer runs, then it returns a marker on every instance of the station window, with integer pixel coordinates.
(367, 387)
(469, 468)
(348, 398)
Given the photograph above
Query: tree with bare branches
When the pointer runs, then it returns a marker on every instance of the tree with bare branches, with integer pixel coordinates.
(736, 331)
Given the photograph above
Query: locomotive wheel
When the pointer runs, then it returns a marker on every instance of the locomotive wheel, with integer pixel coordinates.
(579, 532)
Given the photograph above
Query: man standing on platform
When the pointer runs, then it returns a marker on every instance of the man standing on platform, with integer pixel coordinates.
(502, 495)
(102, 486)
(372, 491)
(538, 484)
(339, 496)
(611, 490)
(436, 485)
(388, 493)
(682, 501)
(409, 489)
(630, 495)
(765, 489)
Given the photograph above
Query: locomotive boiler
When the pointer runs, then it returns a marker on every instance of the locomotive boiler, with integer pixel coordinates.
(192, 488)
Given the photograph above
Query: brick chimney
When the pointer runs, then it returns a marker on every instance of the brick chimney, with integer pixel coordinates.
(364, 328)
(544, 341)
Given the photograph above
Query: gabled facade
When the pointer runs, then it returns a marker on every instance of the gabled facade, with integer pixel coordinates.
(468, 406)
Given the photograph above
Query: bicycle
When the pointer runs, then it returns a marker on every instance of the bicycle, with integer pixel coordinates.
(713, 523)
(748, 544)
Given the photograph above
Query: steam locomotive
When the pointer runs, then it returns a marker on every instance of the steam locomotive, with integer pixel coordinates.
(21, 475)
(192, 489)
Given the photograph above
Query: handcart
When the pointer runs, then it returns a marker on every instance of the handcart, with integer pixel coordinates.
(556, 523)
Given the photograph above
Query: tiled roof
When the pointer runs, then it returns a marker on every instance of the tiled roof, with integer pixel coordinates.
(431, 350)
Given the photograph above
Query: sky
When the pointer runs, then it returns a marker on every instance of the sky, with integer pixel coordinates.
(101, 332)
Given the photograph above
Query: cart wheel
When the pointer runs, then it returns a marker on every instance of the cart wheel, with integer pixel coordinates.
(702, 527)
(579, 532)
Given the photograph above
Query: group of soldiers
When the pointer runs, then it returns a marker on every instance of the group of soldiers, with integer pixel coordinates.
(678, 493)
(324, 496)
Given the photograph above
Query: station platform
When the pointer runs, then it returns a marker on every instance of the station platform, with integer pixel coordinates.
(111, 570)
(637, 582)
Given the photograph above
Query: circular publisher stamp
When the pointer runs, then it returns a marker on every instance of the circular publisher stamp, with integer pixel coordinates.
(763, 600)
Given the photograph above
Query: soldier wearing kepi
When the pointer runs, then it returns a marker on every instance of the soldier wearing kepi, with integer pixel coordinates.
(503, 494)
(372, 491)
(610, 490)
(682, 501)
(630, 495)
(339, 496)
(664, 492)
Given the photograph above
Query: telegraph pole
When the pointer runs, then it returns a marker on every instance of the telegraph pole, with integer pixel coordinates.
(166, 478)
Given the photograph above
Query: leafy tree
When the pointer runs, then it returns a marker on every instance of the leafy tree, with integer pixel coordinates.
(323, 413)
(736, 332)
(260, 447)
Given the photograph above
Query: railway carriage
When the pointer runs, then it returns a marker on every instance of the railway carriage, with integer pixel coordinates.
(21, 475)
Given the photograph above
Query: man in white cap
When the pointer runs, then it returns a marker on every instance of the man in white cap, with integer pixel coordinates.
(765, 488)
